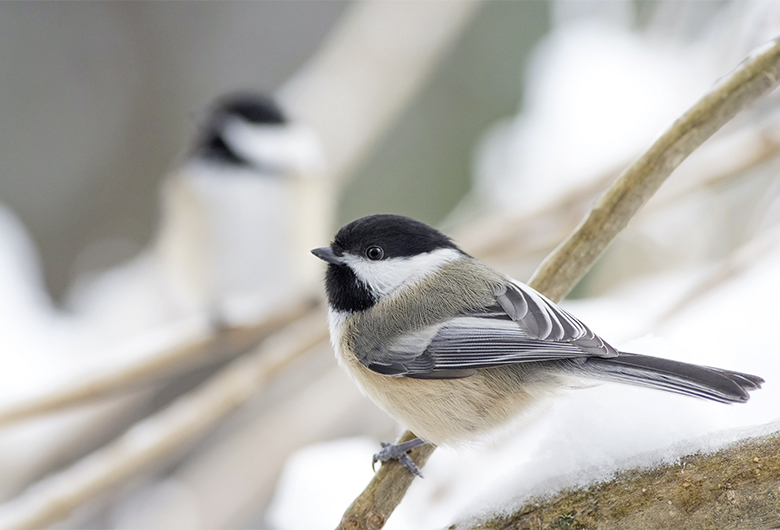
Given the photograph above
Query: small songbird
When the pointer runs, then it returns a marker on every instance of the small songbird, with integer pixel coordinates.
(455, 350)
(228, 235)
(231, 225)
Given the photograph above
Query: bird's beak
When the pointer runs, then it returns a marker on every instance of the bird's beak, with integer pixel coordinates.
(326, 254)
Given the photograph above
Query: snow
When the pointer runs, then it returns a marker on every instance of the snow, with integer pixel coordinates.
(336, 472)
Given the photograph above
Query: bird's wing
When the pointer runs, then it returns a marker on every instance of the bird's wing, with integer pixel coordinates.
(522, 326)
(464, 344)
(542, 319)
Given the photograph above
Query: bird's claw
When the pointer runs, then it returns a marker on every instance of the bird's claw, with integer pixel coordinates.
(396, 452)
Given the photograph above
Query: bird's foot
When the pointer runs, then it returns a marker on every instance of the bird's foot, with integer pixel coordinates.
(399, 452)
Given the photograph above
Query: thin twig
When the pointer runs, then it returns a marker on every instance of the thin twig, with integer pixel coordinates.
(498, 235)
(227, 342)
(736, 263)
(156, 437)
(565, 266)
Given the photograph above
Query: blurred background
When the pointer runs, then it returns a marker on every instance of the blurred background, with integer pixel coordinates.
(500, 121)
(102, 100)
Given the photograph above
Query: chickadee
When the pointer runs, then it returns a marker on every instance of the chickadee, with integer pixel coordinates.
(455, 350)
(229, 230)
(230, 211)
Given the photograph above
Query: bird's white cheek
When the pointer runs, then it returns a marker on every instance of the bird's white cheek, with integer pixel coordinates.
(384, 277)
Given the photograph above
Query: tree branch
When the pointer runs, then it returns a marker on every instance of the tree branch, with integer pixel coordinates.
(161, 434)
(735, 487)
(227, 342)
(541, 228)
(568, 263)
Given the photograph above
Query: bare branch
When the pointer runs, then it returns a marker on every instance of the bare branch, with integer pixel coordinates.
(516, 235)
(755, 76)
(228, 342)
(563, 268)
(163, 433)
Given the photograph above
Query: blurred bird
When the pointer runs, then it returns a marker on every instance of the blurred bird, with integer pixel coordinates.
(229, 225)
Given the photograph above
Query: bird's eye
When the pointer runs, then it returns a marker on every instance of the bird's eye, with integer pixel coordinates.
(375, 253)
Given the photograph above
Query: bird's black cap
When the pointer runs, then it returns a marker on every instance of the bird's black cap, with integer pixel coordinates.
(254, 108)
(396, 235)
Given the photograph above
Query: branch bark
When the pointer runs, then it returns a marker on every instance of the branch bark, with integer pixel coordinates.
(735, 487)
(567, 264)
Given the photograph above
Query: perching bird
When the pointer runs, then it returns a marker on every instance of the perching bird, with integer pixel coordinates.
(229, 222)
(228, 232)
(455, 350)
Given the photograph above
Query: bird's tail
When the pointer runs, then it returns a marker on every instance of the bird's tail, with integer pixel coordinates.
(705, 382)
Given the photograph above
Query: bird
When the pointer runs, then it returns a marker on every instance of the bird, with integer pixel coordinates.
(455, 351)
(230, 211)
(228, 232)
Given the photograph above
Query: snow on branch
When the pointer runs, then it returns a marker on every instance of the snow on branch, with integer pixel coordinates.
(735, 487)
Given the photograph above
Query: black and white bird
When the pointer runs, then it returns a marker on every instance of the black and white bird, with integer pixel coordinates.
(456, 351)
(228, 238)
(229, 230)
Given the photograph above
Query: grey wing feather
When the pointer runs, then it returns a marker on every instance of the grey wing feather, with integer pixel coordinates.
(465, 344)
(522, 326)
(542, 319)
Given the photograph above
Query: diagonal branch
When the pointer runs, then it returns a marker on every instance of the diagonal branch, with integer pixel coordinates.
(227, 342)
(158, 436)
(567, 264)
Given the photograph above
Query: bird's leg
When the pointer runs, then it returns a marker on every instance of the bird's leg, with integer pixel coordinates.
(398, 452)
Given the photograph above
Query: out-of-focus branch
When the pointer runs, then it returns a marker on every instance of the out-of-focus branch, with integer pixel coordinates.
(738, 262)
(368, 70)
(163, 433)
(735, 487)
(514, 236)
(225, 343)
(563, 268)
(754, 77)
